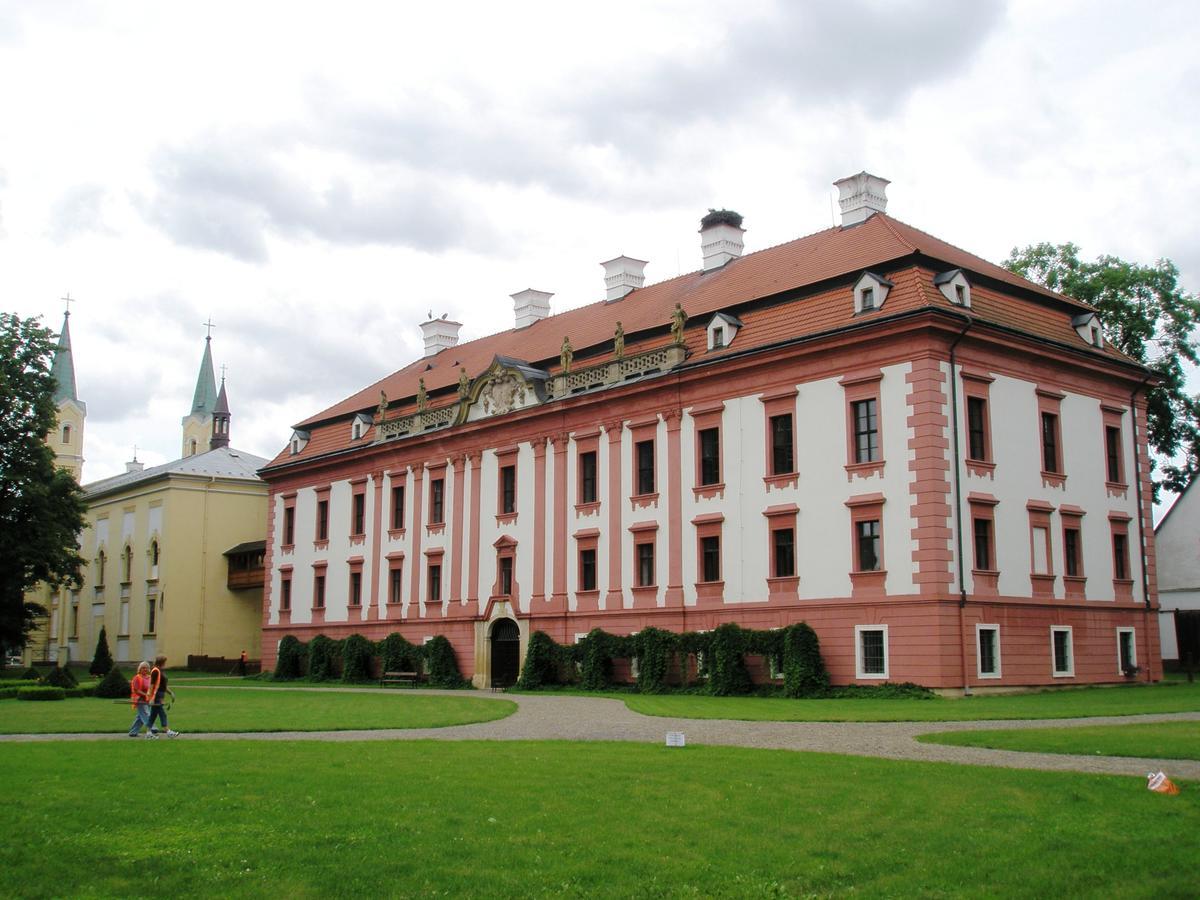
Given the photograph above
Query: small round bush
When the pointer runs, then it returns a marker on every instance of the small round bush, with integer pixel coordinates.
(357, 655)
(58, 677)
(114, 685)
(41, 693)
(321, 658)
(289, 663)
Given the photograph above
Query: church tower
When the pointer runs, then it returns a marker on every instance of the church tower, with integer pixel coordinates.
(198, 424)
(66, 440)
(220, 428)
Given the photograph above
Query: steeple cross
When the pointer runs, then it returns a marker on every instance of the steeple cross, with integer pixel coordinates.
(222, 373)
(68, 300)
(210, 326)
(135, 459)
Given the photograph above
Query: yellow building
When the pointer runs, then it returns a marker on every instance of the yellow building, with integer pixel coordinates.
(173, 553)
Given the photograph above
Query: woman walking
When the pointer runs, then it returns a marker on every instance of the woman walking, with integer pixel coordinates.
(139, 699)
(158, 691)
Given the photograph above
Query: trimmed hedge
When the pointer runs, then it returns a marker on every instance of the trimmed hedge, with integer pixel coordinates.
(357, 655)
(322, 658)
(58, 677)
(41, 693)
(114, 685)
(289, 664)
(442, 664)
(396, 654)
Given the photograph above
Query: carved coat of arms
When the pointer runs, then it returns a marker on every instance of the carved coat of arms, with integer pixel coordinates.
(505, 393)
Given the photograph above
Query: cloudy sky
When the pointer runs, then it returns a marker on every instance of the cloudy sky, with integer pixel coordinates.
(316, 177)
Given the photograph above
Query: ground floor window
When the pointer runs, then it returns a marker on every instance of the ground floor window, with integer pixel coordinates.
(1126, 651)
(1064, 658)
(988, 644)
(870, 646)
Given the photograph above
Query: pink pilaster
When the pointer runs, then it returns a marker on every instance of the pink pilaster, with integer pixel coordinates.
(614, 598)
(558, 599)
(539, 521)
(674, 597)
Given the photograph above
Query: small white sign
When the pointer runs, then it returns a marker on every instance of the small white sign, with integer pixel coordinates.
(675, 739)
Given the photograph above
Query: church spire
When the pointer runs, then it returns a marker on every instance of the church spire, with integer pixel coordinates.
(205, 397)
(63, 367)
(220, 428)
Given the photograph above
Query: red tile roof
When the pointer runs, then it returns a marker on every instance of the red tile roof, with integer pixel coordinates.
(806, 262)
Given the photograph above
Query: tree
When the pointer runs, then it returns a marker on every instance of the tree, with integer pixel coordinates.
(102, 661)
(41, 506)
(1148, 316)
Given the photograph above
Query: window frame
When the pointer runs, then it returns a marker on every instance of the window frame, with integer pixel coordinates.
(399, 497)
(860, 672)
(981, 627)
(1113, 424)
(776, 405)
(285, 591)
(1056, 672)
(1040, 519)
(644, 473)
(288, 527)
(976, 386)
(1123, 632)
(589, 460)
(321, 519)
(863, 388)
(1049, 403)
(437, 500)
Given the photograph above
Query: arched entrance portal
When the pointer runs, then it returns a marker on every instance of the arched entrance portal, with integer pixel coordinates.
(506, 652)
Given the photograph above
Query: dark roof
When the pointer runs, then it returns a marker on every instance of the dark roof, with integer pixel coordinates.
(247, 547)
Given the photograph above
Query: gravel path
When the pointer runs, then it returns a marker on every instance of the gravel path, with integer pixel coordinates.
(574, 718)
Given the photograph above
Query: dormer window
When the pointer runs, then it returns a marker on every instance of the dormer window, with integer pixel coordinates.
(1088, 326)
(870, 292)
(298, 442)
(722, 328)
(360, 425)
(954, 287)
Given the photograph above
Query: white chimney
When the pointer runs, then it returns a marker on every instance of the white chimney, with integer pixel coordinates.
(861, 196)
(531, 306)
(622, 275)
(439, 334)
(720, 237)
(133, 466)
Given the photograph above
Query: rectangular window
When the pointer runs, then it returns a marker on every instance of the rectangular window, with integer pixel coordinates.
(396, 586)
(319, 592)
(1050, 461)
(977, 428)
(988, 638)
(782, 449)
(506, 575)
(397, 507)
(289, 525)
(437, 502)
(867, 298)
(867, 532)
(1126, 651)
(1120, 544)
(356, 588)
(871, 651)
(785, 552)
(150, 610)
(587, 570)
(1041, 554)
(358, 518)
(1064, 664)
(285, 595)
(508, 489)
(1071, 554)
(645, 467)
(983, 544)
(866, 430)
(587, 477)
(710, 554)
(1112, 452)
(710, 456)
(645, 564)
(435, 583)
(322, 520)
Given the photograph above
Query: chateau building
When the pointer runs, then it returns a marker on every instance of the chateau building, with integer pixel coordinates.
(939, 465)
(174, 553)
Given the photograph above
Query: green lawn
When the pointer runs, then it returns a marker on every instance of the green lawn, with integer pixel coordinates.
(1163, 740)
(1114, 701)
(250, 709)
(300, 819)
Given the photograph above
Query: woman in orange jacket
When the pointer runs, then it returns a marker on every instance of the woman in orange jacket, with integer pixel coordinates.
(139, 699)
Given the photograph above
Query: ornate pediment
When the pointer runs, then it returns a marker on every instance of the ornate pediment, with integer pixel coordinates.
(507, 386)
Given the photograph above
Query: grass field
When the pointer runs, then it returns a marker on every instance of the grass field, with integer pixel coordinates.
(1163, 740)
(249, 709)
(1113, 701)
(300, 819)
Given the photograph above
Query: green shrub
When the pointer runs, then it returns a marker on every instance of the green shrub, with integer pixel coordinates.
(727, 673)
(31, 674)
(8, 693)
(441, 664)
(114, 685)
(102, 661)
(398, 655)
(595, 660)
(81, 691)
(59, 677)
(289, 663)
(42, 692)
(357, 655)
(322, 658)
(655, 649)
(804, 673)
(542, 659)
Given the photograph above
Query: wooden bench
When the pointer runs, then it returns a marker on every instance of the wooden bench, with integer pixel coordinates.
(409, 678)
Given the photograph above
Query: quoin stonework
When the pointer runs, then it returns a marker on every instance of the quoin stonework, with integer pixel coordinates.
(940, 466)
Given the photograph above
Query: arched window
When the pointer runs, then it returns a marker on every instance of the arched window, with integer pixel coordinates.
(192, 451)
(154, 553)
(126, 563)
(100, 560)
(66, 434)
